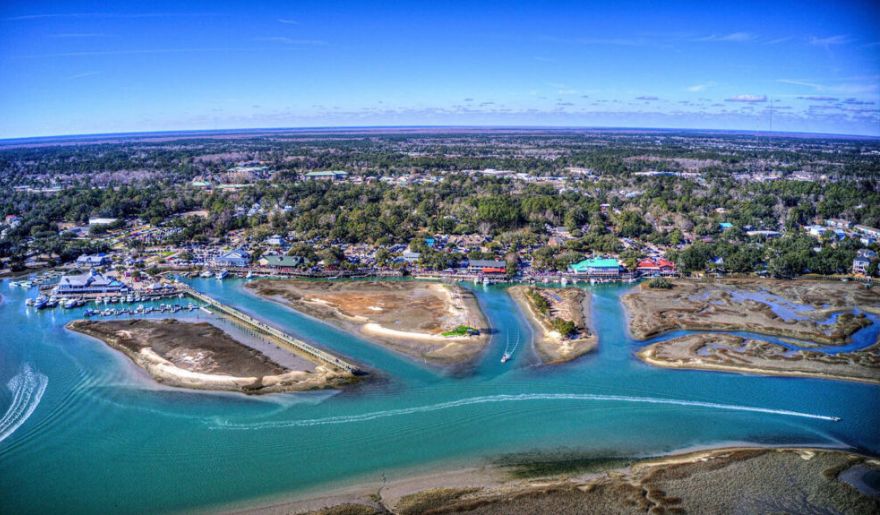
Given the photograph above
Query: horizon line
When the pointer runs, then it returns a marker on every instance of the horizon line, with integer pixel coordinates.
(344, 128)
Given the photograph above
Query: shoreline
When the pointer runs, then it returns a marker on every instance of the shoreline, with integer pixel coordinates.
(548, 342)
(433, 348)
(494, 484)
(651, 313)
(164, 372)
(648, 355)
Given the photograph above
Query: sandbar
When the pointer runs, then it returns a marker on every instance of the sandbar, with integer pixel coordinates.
(198, 355)
(567, 304)
(407, 316)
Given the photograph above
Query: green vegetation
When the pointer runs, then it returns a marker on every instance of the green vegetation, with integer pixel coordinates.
(597, 205)
(660, 282)
(462, 330)
(566, 328)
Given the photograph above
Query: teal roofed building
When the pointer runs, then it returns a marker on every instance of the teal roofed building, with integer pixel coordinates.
(605, 267)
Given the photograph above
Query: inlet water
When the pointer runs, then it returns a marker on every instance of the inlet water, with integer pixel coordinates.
(82, 429)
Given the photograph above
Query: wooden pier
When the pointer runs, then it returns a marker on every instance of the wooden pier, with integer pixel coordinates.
(277, 335)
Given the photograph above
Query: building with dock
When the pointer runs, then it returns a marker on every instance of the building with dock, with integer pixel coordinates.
(91, 283)
(605, 268)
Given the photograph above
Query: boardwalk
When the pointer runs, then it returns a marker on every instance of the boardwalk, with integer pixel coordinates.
(278, 335)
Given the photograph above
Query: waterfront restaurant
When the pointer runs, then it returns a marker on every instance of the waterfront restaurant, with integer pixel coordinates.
(597, 267)
(88, 284)
(656, 267)
(487, 266)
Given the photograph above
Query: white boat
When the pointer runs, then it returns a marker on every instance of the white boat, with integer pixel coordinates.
(69, 304)
(504, 357)
(485, 281)
(222, 274)
(29, 301)
(41, 302)
(564, 282)
(206, 274)
(249, 274)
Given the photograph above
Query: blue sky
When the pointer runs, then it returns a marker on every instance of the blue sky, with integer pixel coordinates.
(79, 67)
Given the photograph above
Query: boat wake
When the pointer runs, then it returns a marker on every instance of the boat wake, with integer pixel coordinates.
(27, 389)
(221, 424)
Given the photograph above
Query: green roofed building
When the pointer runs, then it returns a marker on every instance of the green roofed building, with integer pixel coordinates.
(281, 263)
(597, 267)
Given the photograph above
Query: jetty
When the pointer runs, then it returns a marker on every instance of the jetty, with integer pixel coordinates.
(278, 336)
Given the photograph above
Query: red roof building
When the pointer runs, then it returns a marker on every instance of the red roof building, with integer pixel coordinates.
(659, 266)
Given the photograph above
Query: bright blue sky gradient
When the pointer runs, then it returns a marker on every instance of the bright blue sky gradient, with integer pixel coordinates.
(93, 67)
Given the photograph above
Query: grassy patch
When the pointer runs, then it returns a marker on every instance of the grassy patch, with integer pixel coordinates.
(529, 465)
(462, 330)
(434, 498)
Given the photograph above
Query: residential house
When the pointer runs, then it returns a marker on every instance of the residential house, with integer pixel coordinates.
(92, 260)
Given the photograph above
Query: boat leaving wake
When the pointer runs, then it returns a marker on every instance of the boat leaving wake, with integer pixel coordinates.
(512, 398)
(27, 389)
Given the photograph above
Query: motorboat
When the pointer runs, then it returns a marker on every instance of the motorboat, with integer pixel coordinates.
(222, 274)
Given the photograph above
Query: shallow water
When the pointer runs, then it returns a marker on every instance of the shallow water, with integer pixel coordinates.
(100, 434)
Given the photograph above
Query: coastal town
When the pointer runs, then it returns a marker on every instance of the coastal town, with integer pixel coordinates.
(258, 268)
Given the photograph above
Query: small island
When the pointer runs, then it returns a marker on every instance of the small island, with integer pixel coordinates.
(440, 323)
(561, 318)
(198, 355)
(732, 353)
(822, 312)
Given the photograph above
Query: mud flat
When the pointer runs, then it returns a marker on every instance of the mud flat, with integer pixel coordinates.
(566, 304)
(202, 356)
(733, 480)
(410, 317)
(823, 312)
(737, 354)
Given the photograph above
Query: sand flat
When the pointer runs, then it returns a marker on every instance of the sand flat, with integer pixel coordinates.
(199, 355)
(725, 480)
(407, 316)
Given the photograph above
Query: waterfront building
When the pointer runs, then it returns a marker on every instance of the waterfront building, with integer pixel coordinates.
(657, 266)
(88, 284)
(597, 267)
(487, 266)
(235, 258)
(281, 263)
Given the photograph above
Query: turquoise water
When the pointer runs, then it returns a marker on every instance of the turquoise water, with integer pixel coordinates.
(86, 431)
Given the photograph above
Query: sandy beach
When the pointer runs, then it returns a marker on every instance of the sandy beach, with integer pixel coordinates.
(824, 312)
(732, 353)
(570, 304)
(203, 357)
(410, 317)
(724, 480)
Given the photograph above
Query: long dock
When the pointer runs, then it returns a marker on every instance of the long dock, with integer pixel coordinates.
(283, 338)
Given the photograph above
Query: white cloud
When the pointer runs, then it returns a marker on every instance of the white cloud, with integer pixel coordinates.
(696, 88)
(734, 37)
(749, 99)
(840, 39)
